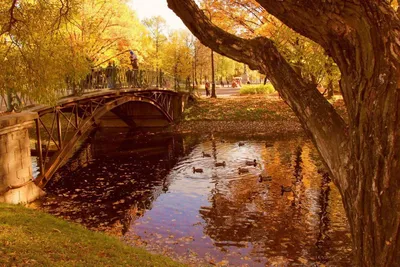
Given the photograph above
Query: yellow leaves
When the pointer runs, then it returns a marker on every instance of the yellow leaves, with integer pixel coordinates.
(175, 57)
(302, 260)
(49, 48)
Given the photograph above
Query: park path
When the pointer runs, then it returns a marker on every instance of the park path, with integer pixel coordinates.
(222, 91)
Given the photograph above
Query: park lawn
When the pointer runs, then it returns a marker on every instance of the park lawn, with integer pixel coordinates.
(256, 89)
(244, 108)
(250, 115)
(32, 238)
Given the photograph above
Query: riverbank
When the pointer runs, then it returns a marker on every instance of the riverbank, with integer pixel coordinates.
(29, 237)
(245, 115)
(32, 238)
(248, 116)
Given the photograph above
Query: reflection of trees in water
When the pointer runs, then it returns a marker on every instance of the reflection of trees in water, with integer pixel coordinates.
(245, 211)
(323, 239)
(298, 187)
(298, 165)
(110, 180)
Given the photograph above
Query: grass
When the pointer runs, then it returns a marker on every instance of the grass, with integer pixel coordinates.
(32, 238)
(253, 89)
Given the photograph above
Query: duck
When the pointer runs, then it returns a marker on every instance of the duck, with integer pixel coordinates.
(264, 178)
(286, 189)
(268, 144)
(243, 170)
(220, 164)
(197, 170)
(241, 143)
(206, 155)
(251, 163)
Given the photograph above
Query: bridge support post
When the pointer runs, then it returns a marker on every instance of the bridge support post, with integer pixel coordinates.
(179, 104)
(16, 184)
(39, 146)
(59, 131)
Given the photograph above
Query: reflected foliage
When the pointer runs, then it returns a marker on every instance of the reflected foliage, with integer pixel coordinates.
(143, 187)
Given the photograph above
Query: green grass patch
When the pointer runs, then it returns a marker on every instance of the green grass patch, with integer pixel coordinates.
(33, 238)
(253, 89)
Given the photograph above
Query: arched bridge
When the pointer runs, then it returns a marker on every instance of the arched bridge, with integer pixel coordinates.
(59, 128)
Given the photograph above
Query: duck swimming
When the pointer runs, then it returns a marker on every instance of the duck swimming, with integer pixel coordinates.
(197, 170)
(251, 162)
(268, 144)
(243, 170)
(286, 189)
(206, 155)
(264, 178)
(220, 164)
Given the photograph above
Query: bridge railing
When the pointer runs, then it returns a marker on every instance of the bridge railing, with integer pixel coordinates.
(99, 79)
(119, 78)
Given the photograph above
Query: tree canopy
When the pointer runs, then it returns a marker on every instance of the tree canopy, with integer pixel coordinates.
(361, 37)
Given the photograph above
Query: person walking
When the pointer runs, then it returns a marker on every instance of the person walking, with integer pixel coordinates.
(135, 68)
(207, 87)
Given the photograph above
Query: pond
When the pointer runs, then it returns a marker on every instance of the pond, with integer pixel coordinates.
(142, 187)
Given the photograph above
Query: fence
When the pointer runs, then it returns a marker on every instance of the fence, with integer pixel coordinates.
(98, 79)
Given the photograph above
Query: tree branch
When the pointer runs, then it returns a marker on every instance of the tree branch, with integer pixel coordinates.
(260, 53)
(7, 27)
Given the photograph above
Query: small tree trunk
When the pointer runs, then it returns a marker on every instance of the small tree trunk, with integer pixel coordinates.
(213, 94)
(330, 89)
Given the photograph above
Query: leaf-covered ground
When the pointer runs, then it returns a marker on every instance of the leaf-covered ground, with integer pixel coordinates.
(245, 115)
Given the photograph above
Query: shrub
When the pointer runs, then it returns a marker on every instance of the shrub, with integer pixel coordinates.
(252, 89)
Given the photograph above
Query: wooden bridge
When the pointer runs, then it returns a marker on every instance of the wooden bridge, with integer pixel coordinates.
(59, 128)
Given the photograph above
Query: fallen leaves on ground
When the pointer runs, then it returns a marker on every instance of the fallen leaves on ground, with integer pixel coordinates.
(244, 115)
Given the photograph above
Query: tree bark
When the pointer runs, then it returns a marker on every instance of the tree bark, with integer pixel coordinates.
(213, 94)
(363, 156)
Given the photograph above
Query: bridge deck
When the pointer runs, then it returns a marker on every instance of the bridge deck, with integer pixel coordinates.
(95, 94)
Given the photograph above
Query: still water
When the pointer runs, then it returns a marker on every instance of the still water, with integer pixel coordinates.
(142, 187)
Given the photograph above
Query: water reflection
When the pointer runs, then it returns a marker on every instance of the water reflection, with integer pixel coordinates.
(113, 177)
(143, 186)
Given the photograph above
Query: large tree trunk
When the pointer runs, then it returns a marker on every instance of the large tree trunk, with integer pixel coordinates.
(362, 155)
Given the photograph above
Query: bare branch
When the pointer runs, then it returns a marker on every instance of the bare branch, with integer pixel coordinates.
(63, 14)
(7, 27)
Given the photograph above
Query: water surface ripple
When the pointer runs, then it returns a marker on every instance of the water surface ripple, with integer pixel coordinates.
(143, 188)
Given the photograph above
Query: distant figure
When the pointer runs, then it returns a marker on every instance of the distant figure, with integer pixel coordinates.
(135, 68)
(222, 83)
(109, 74)
(207, 87)
(248, 82)
(187, 85)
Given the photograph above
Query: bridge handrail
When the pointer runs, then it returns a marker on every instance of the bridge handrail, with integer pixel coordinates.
(104, 93)
(96, 82)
